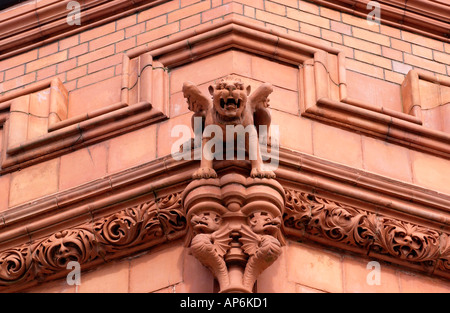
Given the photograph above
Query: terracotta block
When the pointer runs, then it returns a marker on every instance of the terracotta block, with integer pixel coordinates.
(78, 50)
(390, 31)
(295, 131)
(126, 44)
(386, 159)
(413, 283)
(34, 182)
(97, 32)
(76, 73)
(158, 10)
(190, 21)
(157, 33)
(215, 67)
(135, 30)
(158, 269)
(197, 278)
(424, 63)
(422, 51)
(275, 8)
(401, 45)
(401, 67)
(341, 27)
(83, 166)
(66, 65)
(337, 145)
(442, 57)
(364, 68)
(88, 99)
(331, 36)
(392, 53)
(111, 278)
(306, 18)
(371, 36)
(96, 77)
(330, 14)
(106, 40)
(359, 22)
(4, 191)
(46, 72)
(314, 268)
(394, 77)
(362, 45)
(96, 55)
(165, 139)
(423, 41)
(430, 171)
(274, 279)
(48, 49)
(310, 29)
(222, 11)
(39, 107)
(278, 74)
(69, 42)
(361, 277)
(18, 121)
(46, 61)
(373, 59)
(126, 21)
(18, 60)
(14, 72)
(105, 63)
(188, 11)
(132, 149)
(20, 81)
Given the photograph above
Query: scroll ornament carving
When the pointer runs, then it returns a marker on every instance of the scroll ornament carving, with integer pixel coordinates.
(145, 224)
(235, 227)
(314, 216)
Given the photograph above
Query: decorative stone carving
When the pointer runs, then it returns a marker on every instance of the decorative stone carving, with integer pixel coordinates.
(316, 217)
(146, 224)
(231, 105)
(235, 227)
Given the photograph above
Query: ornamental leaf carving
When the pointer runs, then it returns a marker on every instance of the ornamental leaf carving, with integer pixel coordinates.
(15, 265)
(130, 227)
(316, 216)
(53, 253)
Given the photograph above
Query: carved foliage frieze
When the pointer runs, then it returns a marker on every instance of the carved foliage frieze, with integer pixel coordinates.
(309, 215)
(143, 225)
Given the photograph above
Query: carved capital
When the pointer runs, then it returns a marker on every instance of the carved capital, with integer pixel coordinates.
(235, 227)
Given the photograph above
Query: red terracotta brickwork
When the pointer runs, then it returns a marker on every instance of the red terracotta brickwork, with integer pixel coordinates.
(90, 66)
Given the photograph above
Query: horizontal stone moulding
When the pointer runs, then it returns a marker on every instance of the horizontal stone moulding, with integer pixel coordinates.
(36, 24)
(336, 206)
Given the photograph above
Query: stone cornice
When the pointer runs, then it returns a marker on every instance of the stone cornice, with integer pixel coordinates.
(37, 23)
(34, 24)
(326, 203)
(426, 17)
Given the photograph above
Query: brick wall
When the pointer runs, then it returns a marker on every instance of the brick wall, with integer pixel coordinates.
(377, 51)
(90, 66)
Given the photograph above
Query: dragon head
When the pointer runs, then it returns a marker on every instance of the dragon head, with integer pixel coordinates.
(206, 222)
(264, 223)
(229, 100)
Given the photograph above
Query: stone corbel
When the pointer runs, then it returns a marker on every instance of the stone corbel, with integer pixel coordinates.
(235, 227)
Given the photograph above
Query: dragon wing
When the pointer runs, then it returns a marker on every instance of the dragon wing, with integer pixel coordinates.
(259, 103)
(197, 101)
(221, 240)
(259, 99)
(250, 241)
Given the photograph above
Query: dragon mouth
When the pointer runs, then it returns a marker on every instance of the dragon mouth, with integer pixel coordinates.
(230, 104)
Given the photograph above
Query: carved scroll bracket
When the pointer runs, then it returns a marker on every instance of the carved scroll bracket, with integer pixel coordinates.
(235, 227)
